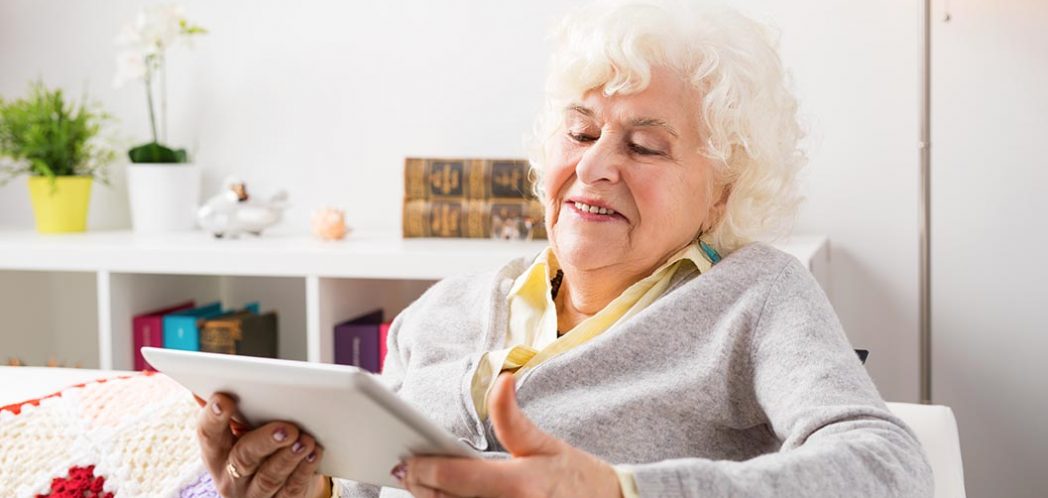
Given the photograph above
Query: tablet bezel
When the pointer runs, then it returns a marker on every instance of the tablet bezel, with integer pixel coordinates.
(206, 373)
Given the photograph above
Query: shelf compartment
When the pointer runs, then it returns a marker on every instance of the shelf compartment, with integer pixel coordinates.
(49, 315)
(339, 299)
(134, 293)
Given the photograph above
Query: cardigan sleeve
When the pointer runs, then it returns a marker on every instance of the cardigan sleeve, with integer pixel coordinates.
(838, 437)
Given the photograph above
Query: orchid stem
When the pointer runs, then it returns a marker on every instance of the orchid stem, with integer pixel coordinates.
(149, 98)
(163, 96)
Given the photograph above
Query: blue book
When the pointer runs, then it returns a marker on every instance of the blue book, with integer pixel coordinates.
(182, 330)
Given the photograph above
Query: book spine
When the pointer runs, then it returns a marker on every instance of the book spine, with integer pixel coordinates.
(181, 332)
(220, 336)
(463, 218)
(431, 179)
(245, 335)
(148, 332)
(259, 336)
(383, 333)
(357, 345)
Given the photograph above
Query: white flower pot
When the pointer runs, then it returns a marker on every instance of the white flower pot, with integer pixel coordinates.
(164, 197)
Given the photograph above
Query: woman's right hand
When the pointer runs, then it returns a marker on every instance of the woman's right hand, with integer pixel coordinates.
(274, 460)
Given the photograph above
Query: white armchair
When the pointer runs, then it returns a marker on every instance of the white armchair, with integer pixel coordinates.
(936, 428)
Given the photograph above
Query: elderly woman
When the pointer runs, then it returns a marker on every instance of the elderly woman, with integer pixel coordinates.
(652, 349)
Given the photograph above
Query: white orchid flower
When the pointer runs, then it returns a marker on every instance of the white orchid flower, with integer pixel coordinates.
(160, 26)
(130, 66)
(143, 45)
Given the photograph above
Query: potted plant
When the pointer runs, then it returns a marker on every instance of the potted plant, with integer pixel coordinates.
(163, 183)
(58, 144)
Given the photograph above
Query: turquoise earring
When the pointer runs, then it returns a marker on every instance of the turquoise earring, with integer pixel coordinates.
(710, 252)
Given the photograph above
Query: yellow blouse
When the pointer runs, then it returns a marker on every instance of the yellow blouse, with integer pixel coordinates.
(533, 318)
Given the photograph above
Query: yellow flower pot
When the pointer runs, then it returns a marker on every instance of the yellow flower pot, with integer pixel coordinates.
(62, 208)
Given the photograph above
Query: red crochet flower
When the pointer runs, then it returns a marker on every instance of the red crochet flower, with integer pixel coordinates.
(80, 483)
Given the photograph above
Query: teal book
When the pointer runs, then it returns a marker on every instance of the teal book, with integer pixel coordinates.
(182, 328)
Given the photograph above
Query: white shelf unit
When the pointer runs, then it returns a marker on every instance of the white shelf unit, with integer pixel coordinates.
(73, 295)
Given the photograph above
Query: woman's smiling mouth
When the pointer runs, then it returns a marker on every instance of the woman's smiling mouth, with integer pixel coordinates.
(593, 211)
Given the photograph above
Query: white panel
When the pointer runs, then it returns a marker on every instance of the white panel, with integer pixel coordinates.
(104, 290)
(989, 200)
(316, 343)
(363, 254)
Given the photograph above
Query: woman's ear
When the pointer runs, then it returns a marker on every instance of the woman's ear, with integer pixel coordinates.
(719, 207)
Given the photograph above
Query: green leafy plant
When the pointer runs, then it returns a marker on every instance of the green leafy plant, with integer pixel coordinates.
(45, 135)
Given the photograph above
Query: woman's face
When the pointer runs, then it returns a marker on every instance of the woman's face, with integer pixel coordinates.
(636, 161)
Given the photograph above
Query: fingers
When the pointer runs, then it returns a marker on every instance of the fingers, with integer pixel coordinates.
(254, 448)
(272, 475)
(213, 433)
(443, 477)
(301, 481)
(518, 434)
(275, 458)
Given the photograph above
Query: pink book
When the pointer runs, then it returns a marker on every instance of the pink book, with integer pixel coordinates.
(147, 329)
(383, 331)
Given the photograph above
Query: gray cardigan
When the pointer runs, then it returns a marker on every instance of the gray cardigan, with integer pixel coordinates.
(738, 383)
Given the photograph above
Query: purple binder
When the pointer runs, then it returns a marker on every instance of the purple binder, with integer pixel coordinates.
(357, 341)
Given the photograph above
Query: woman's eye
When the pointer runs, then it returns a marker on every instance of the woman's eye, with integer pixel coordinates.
(644, 151)
(581, 138)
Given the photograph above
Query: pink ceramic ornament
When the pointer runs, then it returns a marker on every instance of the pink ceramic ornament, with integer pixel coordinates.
(329, 223)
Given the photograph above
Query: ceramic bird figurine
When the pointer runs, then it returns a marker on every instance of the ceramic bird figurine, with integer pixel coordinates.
(232, 211)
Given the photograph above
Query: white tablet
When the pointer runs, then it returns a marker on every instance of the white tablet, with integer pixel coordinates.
(362, 425)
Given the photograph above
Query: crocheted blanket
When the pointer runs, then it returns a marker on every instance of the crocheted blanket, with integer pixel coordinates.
(130, 436)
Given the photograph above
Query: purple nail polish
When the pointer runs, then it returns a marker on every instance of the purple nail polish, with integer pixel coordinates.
(297, 447)
(399, 471)
(311, 457)
(279, 435)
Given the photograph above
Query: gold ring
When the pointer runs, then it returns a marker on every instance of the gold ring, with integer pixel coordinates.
(232, 471)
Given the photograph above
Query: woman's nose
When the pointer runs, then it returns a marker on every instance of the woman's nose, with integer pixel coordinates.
(600, 162)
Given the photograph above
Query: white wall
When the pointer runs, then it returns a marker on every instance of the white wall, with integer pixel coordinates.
(326, 98)
(990, 198)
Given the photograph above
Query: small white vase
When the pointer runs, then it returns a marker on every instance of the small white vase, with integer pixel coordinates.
(164, 197)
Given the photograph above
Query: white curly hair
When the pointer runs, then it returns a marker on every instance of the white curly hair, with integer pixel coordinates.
(748, 113)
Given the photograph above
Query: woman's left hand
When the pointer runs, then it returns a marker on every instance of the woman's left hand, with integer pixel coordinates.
(542, 465)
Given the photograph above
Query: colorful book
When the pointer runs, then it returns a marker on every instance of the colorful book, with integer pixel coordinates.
(357, 341)
(434, 178)
(244, 333)
(182, 328)
(147, 330)
(383, 333)
(515, 219)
